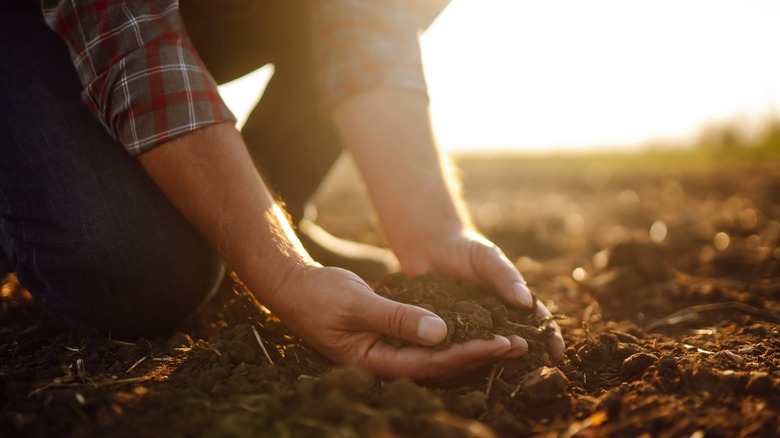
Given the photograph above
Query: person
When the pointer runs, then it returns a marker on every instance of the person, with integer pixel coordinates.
(125, 184)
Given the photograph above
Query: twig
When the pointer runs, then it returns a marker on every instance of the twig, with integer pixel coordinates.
(698, 350)
(81, 370)
(67, 382)
(260, 341)
(127, 344)
(490, 379)
(215, 350)
(122, 381)
(138, 362)
(680, 316)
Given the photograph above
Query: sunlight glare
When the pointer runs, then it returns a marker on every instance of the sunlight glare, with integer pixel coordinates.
(535, 75)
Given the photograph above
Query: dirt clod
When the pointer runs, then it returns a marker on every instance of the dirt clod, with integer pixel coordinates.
(544, 385)
(637, 363)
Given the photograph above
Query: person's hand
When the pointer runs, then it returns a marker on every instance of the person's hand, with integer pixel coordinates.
(466, 254)
(413, 189)
(338, 314)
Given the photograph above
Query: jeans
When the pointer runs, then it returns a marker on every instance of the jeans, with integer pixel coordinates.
(87, 232)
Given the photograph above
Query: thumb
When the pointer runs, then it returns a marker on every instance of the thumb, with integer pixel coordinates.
(403, 321)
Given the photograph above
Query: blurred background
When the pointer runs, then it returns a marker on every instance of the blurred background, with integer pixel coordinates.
(537, 77)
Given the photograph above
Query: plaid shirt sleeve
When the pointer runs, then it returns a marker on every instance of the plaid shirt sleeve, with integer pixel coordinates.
(368, 44)
(141, 75)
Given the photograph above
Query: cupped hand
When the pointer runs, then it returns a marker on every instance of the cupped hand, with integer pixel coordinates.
(338, 314)
(468, 255)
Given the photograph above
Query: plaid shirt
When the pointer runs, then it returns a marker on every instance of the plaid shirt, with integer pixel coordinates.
(144, 81)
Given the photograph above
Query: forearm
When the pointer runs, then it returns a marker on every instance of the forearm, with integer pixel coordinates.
(389, 134)
(210, 178)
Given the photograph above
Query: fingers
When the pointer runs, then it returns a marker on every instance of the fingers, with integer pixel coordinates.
(401, 321)
(557, 345)
(519, 347)
(425, 364)
(493, 268)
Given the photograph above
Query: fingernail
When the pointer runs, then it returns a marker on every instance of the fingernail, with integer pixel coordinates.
(431, 330)
(556, 349)
(518, 342)
(504, 349)
(519, 346)
(522, 293)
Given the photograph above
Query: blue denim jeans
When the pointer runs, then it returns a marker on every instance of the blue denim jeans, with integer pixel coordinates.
(87, 232)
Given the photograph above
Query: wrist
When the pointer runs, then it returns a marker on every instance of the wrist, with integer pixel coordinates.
(278, 254)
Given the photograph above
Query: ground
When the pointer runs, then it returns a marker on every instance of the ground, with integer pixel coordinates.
(663, 269)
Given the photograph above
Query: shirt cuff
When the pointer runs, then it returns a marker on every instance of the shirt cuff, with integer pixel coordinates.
(365, 45)
(154, 94)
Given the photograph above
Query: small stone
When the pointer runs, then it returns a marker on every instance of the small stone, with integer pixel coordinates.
(544, 385)
(637, 363)
(746, 350)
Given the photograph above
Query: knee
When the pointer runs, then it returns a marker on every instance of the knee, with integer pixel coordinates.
(129, 279)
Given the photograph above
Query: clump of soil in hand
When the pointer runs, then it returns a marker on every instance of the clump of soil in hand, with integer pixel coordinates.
(469, 310)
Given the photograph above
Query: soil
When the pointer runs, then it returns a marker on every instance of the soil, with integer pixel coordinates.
(665, 280)
(469, 310)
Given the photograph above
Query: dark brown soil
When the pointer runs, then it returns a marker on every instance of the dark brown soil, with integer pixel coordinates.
(672, 336)
(469, 310)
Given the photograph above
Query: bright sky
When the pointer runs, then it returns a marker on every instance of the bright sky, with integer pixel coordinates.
(551, 75)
